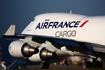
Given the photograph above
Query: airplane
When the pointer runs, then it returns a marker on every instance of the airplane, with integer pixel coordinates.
(58, 35)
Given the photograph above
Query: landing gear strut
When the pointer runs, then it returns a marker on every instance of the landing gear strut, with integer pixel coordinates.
(92, 62)
(44, 65)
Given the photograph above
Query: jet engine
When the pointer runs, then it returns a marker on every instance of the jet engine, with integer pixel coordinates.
(43, 55)
(21, 49)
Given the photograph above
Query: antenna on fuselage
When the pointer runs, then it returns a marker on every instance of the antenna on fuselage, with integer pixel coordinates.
(70, 11)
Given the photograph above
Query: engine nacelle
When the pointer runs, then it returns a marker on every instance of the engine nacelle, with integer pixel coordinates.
(43, 55)
(21, 49)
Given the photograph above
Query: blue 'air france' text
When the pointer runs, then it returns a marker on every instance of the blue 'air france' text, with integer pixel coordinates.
(47, 25)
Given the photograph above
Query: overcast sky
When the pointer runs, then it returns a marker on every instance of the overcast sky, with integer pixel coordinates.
(21, 12)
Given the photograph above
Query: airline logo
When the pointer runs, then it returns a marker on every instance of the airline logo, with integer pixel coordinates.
(70, 24)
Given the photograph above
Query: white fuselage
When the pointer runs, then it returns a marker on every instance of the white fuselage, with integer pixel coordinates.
(68, 26)
(40, 35)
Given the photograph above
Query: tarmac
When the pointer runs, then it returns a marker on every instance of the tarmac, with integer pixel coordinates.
(55, 67)
(59, 67)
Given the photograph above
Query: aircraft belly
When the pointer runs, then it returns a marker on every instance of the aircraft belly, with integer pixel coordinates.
(82, 35)
(98, 49)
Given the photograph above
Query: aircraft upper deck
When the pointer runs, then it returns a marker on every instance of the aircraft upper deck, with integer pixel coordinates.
(65, 15)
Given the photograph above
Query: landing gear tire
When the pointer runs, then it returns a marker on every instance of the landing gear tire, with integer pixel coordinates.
(44, 65)
(99, 64)
(89, 64)
(94, 63)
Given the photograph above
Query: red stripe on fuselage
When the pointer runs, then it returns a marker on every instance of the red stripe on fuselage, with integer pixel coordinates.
(84, 23)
